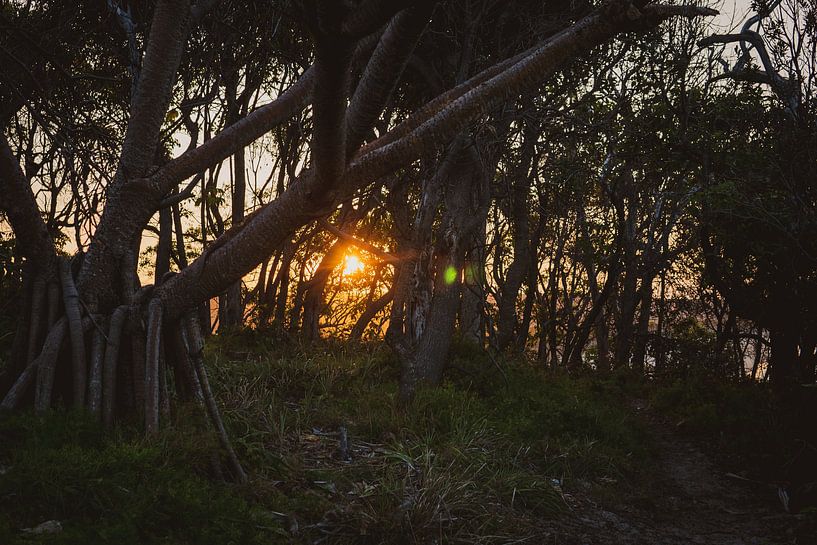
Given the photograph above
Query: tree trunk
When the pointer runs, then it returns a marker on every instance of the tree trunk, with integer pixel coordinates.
(231, 303)
(129, 205)
(516, 209)
(625, 327)
(163, 248)
(423, 340)
(371, 310)
(783, 361)
(643, 325)
(314, 298)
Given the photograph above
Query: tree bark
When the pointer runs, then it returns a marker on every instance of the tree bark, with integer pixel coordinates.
(109, 374)
(96, 362)
(42, 368)
(152, 366)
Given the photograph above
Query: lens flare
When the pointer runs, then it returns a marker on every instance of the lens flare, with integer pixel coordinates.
(450, 275)
(352, 264)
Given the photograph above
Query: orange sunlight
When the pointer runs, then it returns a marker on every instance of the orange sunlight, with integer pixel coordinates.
(352, 264)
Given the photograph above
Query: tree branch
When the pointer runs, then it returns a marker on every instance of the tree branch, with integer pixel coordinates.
(296, 207)
(485, 91)
(371, 15)
(383, 73)
(168, 34)
(236, 136)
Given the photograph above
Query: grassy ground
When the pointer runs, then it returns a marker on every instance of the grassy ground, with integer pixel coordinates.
(481, 460)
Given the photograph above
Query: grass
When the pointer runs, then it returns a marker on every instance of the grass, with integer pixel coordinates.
(482, 459)
(111, 489)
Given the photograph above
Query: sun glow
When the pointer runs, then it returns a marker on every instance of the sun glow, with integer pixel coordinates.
(352, 264)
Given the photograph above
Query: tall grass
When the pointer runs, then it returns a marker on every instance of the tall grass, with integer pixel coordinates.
(483, 459)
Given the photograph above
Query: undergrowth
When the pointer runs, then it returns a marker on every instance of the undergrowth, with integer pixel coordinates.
(766, 436)
(752, 428)
(483, 459)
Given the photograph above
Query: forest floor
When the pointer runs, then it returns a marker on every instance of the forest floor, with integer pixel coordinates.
(502, 454)
(686, 498)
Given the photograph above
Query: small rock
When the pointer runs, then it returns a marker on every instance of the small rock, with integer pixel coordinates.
(609, 517)
(47, 527)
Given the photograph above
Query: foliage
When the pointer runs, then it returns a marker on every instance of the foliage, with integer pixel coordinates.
(115, 490)
(690, 348)
(748, 426)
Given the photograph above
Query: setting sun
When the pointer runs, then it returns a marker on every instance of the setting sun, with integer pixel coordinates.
(352, 264)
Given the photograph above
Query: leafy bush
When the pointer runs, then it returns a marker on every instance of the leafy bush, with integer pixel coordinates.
(746, 423)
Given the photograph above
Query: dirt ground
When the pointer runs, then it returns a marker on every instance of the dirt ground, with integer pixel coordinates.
(691, 501)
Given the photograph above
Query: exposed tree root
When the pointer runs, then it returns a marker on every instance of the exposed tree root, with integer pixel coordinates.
(195, 346)
(70, 298)
(36, 317)
(113, 381)
(95, 379)
(111, 364)
(53, 303)
(154, 340)
(46, 365)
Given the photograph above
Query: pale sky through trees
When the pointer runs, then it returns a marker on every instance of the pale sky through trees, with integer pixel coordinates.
(732, 15)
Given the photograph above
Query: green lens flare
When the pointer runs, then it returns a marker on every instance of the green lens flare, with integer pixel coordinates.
(450, 275)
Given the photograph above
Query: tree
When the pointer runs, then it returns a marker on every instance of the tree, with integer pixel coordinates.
(758, 223)
(101, 290)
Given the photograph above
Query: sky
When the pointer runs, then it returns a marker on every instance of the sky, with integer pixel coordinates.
(733, 14)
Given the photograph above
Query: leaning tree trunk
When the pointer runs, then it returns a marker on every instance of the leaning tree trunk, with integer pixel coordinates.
(372, 309)
(314, 291)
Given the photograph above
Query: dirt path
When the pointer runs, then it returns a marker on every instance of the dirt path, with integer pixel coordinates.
(690, 502)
